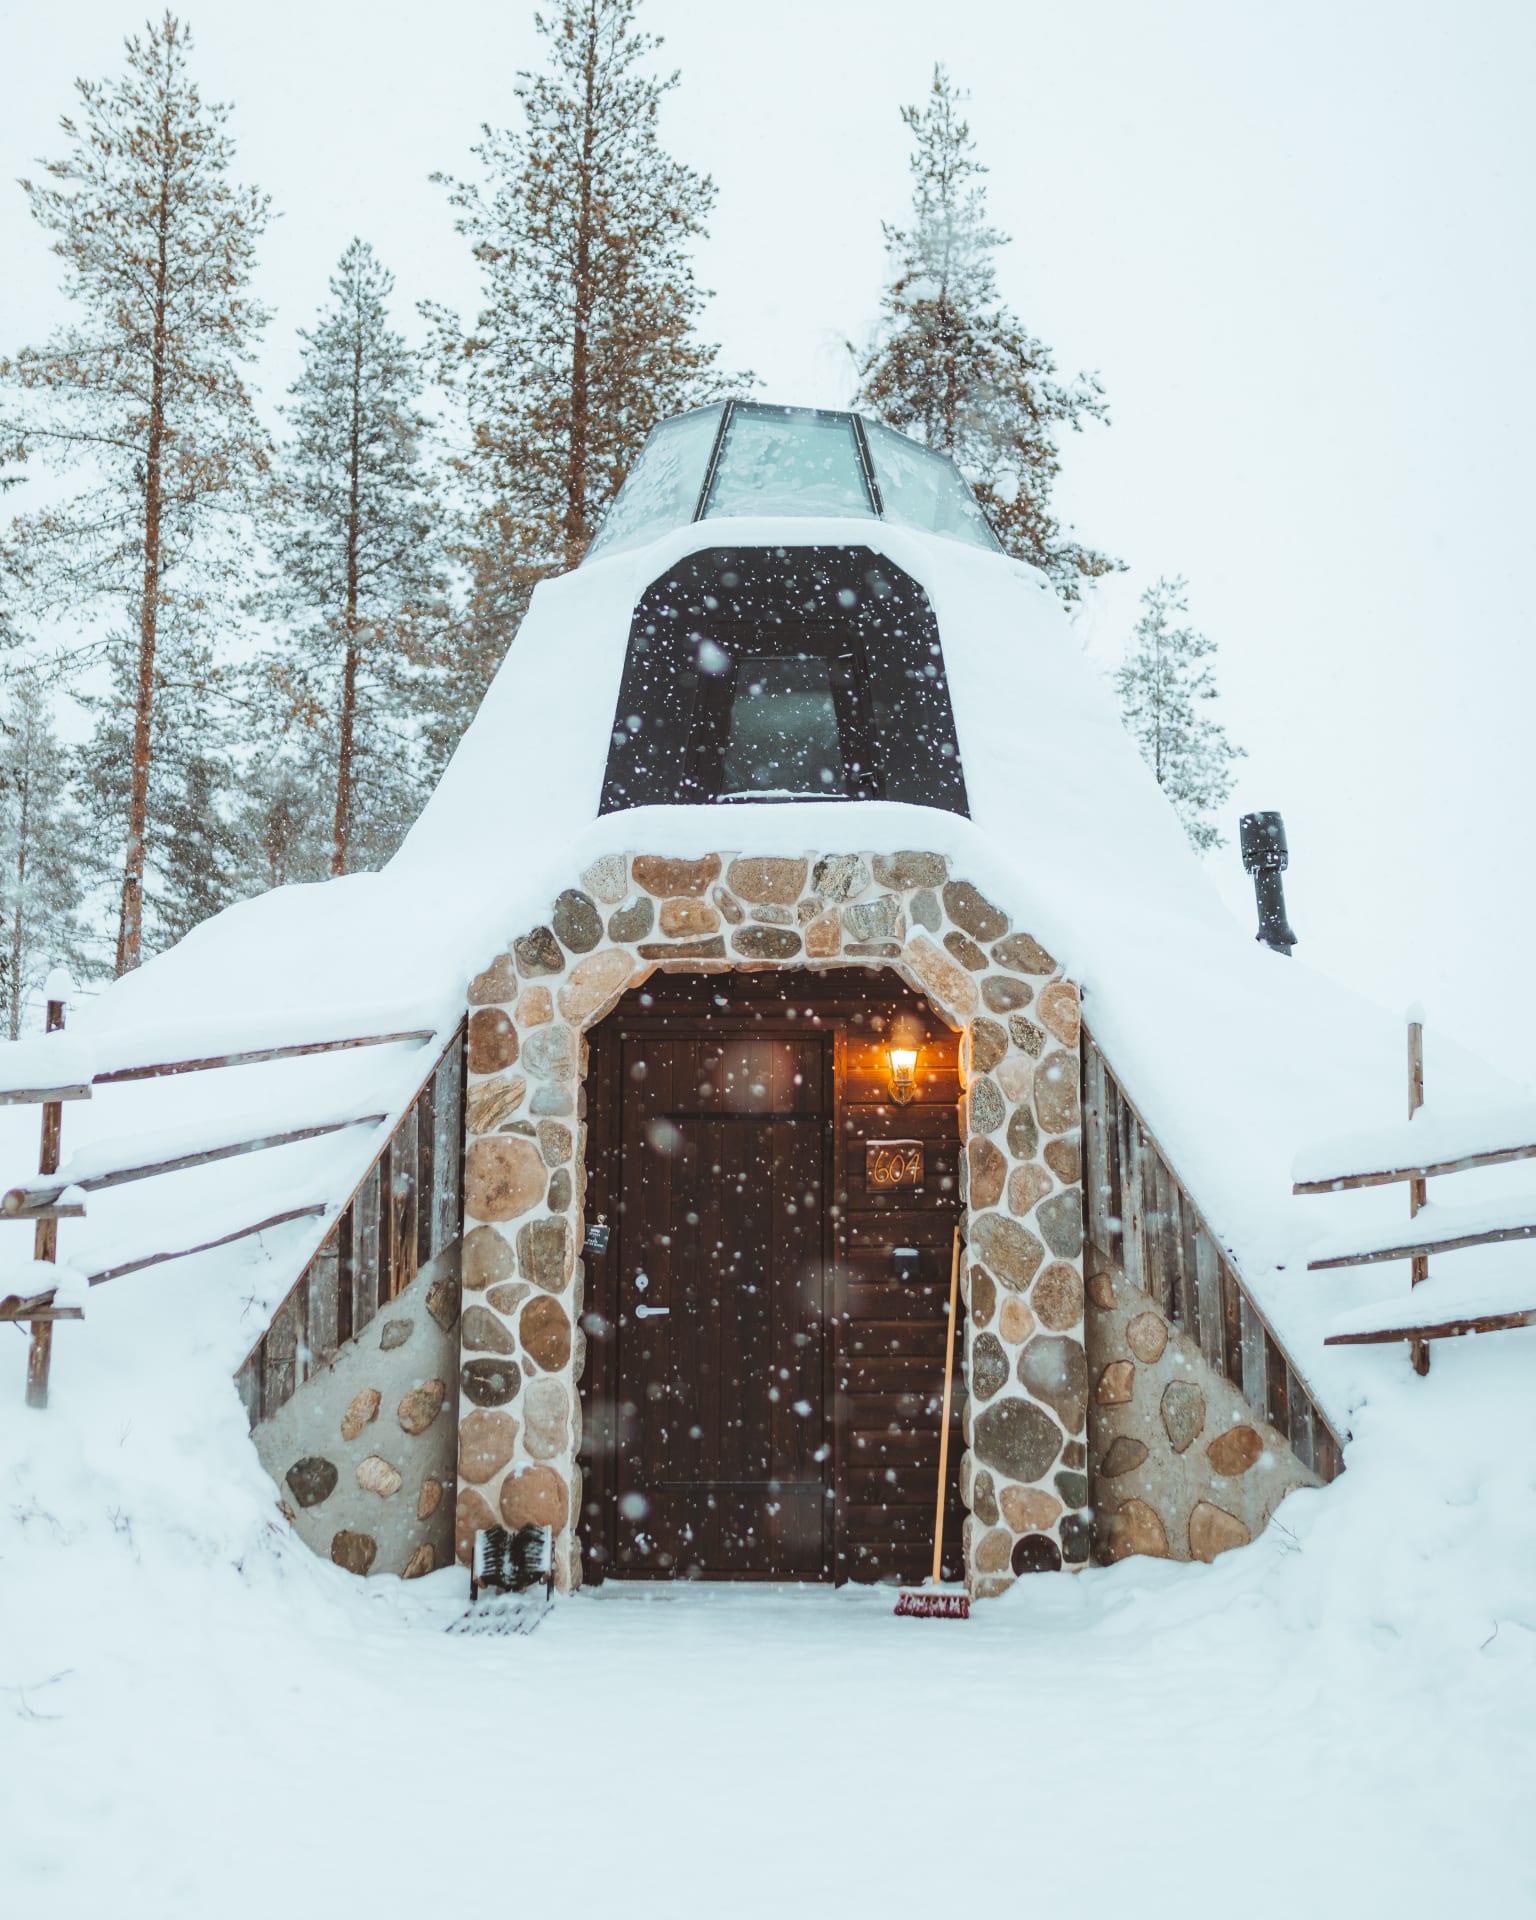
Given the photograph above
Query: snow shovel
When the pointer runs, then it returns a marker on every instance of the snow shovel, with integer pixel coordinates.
(934, 1602)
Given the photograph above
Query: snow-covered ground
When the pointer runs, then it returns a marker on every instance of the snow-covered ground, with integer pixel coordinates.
(199, 1718)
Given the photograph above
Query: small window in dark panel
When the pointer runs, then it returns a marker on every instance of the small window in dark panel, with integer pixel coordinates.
(782, 738)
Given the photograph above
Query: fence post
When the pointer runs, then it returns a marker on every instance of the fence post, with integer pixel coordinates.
(45, 1244)
(1418, 1190)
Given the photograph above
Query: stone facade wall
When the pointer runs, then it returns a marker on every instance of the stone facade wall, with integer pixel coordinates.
(1180, 1465)
(1025, 1470)
(363, 1454)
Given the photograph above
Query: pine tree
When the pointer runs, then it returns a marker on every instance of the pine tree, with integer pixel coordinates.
(953, 367)
(1162, 684)
(585, 338)
(358, 548)
(143, 390)
(40, 866)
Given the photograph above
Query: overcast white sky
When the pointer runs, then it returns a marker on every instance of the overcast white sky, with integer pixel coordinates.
(1294, 240)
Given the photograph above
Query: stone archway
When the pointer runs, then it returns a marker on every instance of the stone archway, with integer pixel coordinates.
(1024, 1474)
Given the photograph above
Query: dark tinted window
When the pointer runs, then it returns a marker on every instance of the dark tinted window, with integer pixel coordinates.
(782, 736)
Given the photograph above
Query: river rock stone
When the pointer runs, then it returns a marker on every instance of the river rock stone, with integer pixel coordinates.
(1058, 1008)
(989, 1043)
(1101, 1291)
(988, 1170)
(607, 879)
(731, 909)
(556, 1142)
(421, 1406)
(1023, 955)
(951, 986)
(989, 1366)
(685, 917)
(1135, 1527)
(354, 1551)
(503, 1177)
(1072, 1486)
(593, 985)
(376, 1475)
(1027, 1185)
(471, 1516)
(1183, 1411)
(973, 912)
(766, 882)
(491, 1102)
(984, 1497)
(487, 1258)
(429, 1499)
(486, 1443)
(633, 921)
(1235, 1451)
(1023, 1136)
(496, 984)
(535, 1007)
(546, 1418)
(1026, 1036)
(534, 1497)
(983, 1301)
(492, 1040)
(576, 921)
(992, 1550)
(1015, 1323)
(506, 1299)
(1010, 1251)
(1116, 1384)
(823, 935)
(840, 876)
(925, 909)
(423, 1560)
(551, 1051)
(1146, 1336)
(1004, 994)
(312, 1479)
(903, 871)
(1055, 1370)
(544, 1254)
(1065, 1159)
(766, 943)
(560, 1190)
(538, 953)
(551, 1098)
(1060, 1220)
(362, 1408)
(546, 1333)
(484, 1332)
(445, 1294)
(985, 1106)
(1056, 1093)
(961, 947)
(1213, 1530)
(395, 1333)
(1036, 1553)
(489, 1383)
(1016, 1438)
(665, 878)
(1029, 1509)
(1125, 1454)
(877, 919)
(1058, 1297)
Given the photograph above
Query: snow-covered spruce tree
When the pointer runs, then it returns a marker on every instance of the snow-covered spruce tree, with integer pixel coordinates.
(1162, 685)
(360, 582)
(953, 367)
(582, 226)
(40, 865)
(142, 390)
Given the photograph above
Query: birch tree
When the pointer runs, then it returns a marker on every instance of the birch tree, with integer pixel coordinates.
(1164, 683)
(142, 392)
(954, 368)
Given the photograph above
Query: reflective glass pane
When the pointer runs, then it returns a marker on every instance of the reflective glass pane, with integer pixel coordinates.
(662, 488)
(784, 460)
(925, 490)
(783, 737)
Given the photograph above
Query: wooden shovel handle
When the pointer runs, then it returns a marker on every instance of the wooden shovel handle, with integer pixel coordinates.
(949, 1387)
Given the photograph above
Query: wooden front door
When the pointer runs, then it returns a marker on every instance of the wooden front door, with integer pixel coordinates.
(722, 1458)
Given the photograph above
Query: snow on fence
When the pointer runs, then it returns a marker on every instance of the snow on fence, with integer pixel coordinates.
(406, 1209)
(57, 1069)
(1142, 1219)
(1424, 1150)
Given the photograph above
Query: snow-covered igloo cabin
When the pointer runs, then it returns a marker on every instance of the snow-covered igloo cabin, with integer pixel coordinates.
(794, 901)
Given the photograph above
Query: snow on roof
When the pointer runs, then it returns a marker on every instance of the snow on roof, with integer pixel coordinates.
(1236, 1057)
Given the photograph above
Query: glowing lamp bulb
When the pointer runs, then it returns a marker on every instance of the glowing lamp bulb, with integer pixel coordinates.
(903, 1073)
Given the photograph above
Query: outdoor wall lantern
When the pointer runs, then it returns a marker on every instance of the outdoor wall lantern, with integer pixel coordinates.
(903, 1062)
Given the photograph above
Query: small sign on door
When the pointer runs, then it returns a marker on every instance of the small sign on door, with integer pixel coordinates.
(893, 1163)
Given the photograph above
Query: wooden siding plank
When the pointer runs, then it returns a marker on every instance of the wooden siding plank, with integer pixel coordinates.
(1303, 1431)
(365, 1252)
(1189, 1290)
(1130, 1162)
(1208, 1294)
(1254, 1365)
(323, 1303)
(1095, 1158)
(1279, 1401)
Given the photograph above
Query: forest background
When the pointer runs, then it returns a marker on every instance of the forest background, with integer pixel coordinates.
(1289, 242)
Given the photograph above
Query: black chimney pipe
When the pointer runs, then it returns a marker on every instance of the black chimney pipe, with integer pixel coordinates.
(1266, 857)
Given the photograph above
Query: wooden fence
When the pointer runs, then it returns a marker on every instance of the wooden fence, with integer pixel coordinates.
(405, 1210)
(1142, 1219)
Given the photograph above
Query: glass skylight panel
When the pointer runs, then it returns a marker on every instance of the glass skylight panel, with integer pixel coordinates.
(789, 461)
(925, 490)
(784, 740)
(663, 486)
